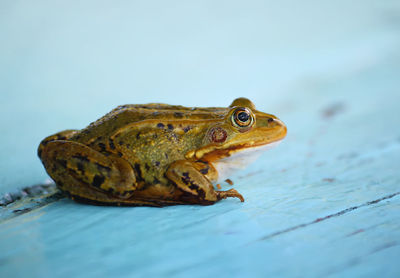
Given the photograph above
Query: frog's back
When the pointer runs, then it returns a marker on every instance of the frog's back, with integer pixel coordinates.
(123, 115)
(138, 112)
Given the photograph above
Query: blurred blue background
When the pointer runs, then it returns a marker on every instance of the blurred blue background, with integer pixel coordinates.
(63, 64)
(323, 203)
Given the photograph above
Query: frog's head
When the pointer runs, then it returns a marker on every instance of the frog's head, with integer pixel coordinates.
(240, 136)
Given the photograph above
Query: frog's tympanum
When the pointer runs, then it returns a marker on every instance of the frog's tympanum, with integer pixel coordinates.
(158, 154)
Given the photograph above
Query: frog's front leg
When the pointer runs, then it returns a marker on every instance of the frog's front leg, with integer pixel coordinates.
(81, 170)
(199, 190)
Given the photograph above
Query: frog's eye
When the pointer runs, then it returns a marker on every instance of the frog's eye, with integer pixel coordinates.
(242, 117)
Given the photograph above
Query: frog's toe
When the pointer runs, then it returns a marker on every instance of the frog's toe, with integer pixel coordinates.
(229, 193)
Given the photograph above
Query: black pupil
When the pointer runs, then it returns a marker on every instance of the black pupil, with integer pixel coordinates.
(243, 117)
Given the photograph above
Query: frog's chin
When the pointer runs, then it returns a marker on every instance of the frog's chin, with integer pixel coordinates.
(228, 166)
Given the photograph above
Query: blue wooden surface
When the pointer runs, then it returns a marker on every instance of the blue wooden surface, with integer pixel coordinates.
(326, 202)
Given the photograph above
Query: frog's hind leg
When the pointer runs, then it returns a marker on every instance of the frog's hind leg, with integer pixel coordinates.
(85, 172)
(63, 135)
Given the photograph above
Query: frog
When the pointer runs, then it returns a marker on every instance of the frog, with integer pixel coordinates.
(159, 154)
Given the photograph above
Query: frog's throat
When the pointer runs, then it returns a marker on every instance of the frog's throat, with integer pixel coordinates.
(227, 166)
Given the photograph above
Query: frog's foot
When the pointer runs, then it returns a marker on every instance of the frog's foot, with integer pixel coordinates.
(229, 193)
(197, 188)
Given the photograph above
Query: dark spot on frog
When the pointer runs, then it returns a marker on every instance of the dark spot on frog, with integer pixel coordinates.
(45, 142)
(101, 167)
(187, 128)
(160, 125)
(102, 147)
(170, 127)
(185, 178)
(119, 154)
(166, 155)
(270, 120)
(204, 171)
(155, 136)
(80, 167)
(138, 172)
(147, 166)
(178, 114)
(157, 163)
(156, 113)
(200, 191)
(193, 199)
(111, 143)
(62, 162)
(54, 168)
(98, 181)
(156, 181)
(121, 142)
(138, 135)
(110, 190)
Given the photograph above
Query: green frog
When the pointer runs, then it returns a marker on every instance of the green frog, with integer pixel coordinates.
(158, 154)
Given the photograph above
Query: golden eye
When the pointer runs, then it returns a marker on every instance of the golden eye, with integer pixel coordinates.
(242, 117)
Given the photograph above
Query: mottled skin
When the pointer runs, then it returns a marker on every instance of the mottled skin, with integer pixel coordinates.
(155, 154)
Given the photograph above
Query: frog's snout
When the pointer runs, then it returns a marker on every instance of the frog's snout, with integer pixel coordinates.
(280, 128)
(272, 126)
(280, 124)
